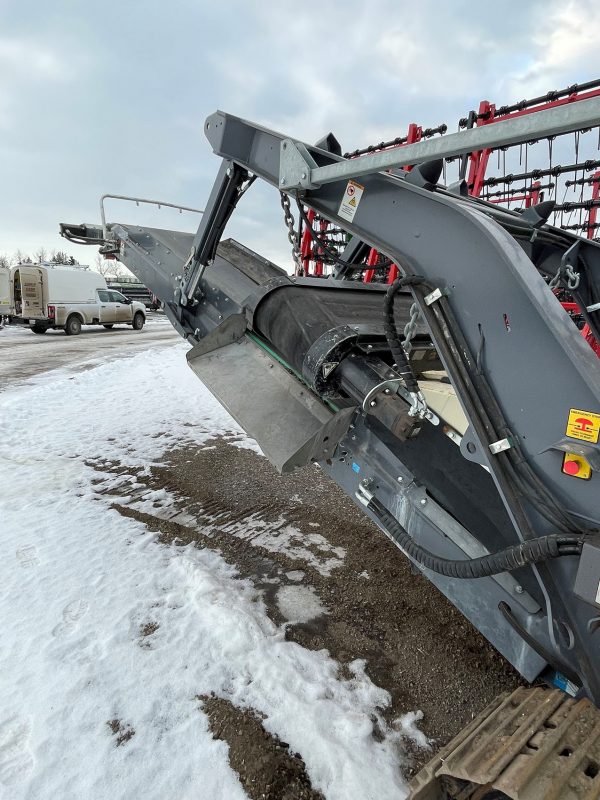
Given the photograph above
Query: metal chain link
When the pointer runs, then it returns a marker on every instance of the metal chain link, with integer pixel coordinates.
(292, 237)
(411, 326)
(572, 277)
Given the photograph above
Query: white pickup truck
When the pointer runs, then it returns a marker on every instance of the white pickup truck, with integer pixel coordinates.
(45, 296)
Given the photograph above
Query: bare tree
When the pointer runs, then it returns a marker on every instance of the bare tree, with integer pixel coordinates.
(40, 255)
(4, 261)
(104, 266)
(21, 258)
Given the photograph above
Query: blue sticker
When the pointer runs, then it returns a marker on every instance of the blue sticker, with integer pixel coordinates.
(356, 467)
(563, 683)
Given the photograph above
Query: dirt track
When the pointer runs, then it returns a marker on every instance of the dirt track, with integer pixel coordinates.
(413, 641)
(415, 644)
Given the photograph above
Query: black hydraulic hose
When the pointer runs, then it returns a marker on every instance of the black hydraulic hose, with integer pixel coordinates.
(391, 332)
(523, 554)
(546, 503)
(450, 355)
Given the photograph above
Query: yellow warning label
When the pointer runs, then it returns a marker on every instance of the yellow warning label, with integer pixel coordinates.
(350, 200)
(583, 425)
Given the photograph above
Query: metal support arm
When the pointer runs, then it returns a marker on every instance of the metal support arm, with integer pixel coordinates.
(300, 172)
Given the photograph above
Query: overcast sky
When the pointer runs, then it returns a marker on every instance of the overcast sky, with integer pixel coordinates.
(112, 96)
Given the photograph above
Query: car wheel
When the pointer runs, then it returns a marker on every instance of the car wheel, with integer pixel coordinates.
(39, 328)
(109, 326)
(138, 321)
(73, 326)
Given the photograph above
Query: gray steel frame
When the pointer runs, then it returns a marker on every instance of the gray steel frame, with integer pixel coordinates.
(499, 299)
(536, 362)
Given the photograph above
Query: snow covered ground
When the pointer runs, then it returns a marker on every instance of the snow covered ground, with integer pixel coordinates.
(108, 637)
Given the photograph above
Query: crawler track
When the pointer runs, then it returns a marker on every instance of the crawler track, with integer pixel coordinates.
(533, 744)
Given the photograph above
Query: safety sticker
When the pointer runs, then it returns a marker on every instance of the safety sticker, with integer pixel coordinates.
(583, 425)
(350, 200)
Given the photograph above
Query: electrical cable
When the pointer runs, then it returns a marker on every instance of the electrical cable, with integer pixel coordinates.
(524, 554)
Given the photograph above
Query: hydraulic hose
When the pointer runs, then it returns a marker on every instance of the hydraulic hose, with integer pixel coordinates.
(523, 554)
(391, 332)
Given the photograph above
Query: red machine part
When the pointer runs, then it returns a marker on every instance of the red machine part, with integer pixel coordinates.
(593, 212)
(488, 114)
(414, 134)
(311, 255)
(573, 310)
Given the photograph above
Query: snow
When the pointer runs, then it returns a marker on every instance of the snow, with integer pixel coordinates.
(299, 603)
(101, 622)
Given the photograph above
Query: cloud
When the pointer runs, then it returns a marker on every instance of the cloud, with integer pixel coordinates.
(28, 59)
(24, 63)
(565, 42)
(117, 103)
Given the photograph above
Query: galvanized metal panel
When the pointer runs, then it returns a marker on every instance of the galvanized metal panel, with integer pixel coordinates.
(291, 425)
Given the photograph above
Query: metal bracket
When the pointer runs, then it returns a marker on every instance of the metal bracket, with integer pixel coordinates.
(295, 165)
(393, 384)
(436, 294)
(500, 446)
(137, 201)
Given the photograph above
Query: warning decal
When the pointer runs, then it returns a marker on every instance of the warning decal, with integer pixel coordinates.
(583, 425)
(350, 200)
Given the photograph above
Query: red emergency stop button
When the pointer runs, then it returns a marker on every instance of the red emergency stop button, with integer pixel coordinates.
(576, 466)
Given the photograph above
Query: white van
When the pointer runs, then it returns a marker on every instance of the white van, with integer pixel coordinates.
(46, 296)
(5, 306)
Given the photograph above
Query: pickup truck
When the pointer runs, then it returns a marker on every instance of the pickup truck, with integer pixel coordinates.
(47, 297)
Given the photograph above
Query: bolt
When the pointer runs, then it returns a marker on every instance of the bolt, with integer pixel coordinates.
(373, 403)
(282, 181)
(519, 589)
(423, 501)
(386, 391)
(400, 478)
(229, 172)
(304, 176)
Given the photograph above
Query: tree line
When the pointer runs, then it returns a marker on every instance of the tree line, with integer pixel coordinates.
(41, 256)
(111, 270)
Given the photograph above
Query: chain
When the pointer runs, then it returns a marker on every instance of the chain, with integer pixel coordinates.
(569, 273)
(411, 326)
(291, 226)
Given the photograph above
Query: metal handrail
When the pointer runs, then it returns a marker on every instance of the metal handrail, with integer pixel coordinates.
(137, 201)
